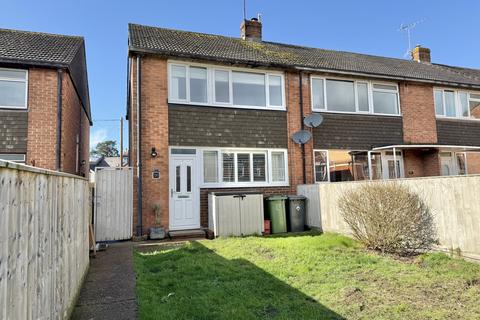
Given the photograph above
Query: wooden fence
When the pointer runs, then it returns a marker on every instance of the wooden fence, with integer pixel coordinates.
(454, 201)
(44, 218)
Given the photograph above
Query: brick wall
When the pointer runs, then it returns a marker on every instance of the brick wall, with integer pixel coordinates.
(418, 111)
(473, 163)
(421, 163)
(42, 118)
(154, 133)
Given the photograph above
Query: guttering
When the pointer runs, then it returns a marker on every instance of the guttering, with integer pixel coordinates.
(139, 159)
(59, 120)
(302, 127)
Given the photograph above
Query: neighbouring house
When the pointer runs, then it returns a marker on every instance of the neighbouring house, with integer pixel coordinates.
(105, 162)
(218, 114)
(45, 114)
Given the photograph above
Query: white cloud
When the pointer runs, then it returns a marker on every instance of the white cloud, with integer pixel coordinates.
(97, 136)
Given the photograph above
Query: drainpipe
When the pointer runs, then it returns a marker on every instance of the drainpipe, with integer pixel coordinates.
(302, 127)
(139, 160)
(59, 120)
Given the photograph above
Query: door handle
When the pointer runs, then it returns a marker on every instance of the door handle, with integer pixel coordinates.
(171, 193)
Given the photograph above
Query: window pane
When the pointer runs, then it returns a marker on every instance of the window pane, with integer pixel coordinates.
(461, 164)
(376, 163)
(13, 74)
(362, 91)
(475, 109)
(384, 87)
(463, 96)
(317, 94)
(177, 179)
(438, 97)
(450, 103)
(340, 96)
(179, 82)
(228, 167)
(12, 93)
(321, 168)
(275, 90)
(278, 167)
(189, 179)
(475, 96)
(210, 170)
(20, 158)
(198, 84)
(360, 166)
(340, 165)
(248, 89)
(243, 167)
(385, 102)
(222, 87)
(259, 167)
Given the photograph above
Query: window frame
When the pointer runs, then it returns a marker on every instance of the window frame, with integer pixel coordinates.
(211, 96)
(458, 104)
(16, 80)
(16, 154)
(327, 166)
(251, 151)
(370, 90)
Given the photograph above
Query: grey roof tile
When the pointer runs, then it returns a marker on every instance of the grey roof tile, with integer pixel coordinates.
(235, 50)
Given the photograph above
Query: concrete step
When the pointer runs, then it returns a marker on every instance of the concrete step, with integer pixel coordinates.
(187, 234)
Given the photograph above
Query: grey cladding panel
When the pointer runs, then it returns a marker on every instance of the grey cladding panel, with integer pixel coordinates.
(458, 132)
(357, 132)
(13, 131)
(226, 127)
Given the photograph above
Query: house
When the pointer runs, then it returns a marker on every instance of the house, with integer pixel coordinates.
(44, 102)
(105, 162)
(218, 114)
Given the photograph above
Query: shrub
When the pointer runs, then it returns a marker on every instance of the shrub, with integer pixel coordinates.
(389, 217)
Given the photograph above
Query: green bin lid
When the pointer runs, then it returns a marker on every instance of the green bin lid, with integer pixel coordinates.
(294, 197)
(273, 198)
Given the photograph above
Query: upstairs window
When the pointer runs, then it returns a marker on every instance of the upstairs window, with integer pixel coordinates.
(456, 104)
(354, 96)
(13, 88)
(235, 87)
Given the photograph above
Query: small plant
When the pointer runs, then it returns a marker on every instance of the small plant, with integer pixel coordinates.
(389, 217)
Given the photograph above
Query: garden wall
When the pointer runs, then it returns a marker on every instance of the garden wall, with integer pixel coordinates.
(454, 201)
(44, 217)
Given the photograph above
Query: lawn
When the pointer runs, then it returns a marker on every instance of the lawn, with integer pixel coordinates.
(303, 276)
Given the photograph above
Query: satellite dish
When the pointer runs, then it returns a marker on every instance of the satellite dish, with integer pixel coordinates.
(301, 137)
(313, 120)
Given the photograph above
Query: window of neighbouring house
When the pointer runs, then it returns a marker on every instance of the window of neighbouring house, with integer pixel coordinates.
(461, 158)
(321, 165)
(13, 88)
(13, 157)
(456, 104)
(354, 96)
(232, 87)
(244, 167)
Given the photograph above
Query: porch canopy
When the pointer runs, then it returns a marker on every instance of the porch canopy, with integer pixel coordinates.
(399, 147)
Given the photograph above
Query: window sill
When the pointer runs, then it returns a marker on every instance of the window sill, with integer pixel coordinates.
(12, 108)
(243, 185)
(215, 105)
(358, 113)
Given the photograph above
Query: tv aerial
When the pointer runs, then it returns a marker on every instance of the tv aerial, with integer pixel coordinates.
(313, 120)
(408, 27)
(301, 137)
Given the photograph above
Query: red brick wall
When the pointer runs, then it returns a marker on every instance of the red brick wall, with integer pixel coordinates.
(42, 118)
(473, 163)
(154, 133)
(421, 163)
(418, 111)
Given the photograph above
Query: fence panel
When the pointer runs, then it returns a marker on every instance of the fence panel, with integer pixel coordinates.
(44, 218)
(454, 201)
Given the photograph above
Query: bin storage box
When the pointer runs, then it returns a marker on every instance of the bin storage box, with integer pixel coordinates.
(276, 213)
(296, 213)
(235, 214)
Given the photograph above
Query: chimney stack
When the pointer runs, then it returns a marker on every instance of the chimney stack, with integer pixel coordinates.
(251, 30)
(421, 54)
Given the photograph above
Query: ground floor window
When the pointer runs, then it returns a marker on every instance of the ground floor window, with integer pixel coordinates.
(13, 157)
(352, 165)
(453, 163)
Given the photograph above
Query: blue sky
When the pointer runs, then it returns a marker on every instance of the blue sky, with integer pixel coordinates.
(450, 30)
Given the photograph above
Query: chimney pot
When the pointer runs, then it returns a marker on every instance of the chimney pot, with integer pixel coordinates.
(421, 54)
(251, 30)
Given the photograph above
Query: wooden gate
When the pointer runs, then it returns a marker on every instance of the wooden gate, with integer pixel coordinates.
(113, 203)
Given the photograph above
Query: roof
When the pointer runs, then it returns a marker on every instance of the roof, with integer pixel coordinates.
(48, 50)
(185, 44)
(104, 162)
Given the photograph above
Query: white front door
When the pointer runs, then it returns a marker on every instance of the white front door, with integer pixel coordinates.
(184, 193)
(389, 166)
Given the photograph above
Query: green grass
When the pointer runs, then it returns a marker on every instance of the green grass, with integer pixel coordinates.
(308, 276)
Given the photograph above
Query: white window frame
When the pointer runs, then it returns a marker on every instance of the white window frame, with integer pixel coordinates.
(370, 89)
(16, 80)
(15, 161)
(211, 86)
(235, 151)
(315, 169)
(458, 105)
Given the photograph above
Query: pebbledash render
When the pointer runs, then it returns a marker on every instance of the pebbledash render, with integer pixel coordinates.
(44, 102)
(218, 113)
